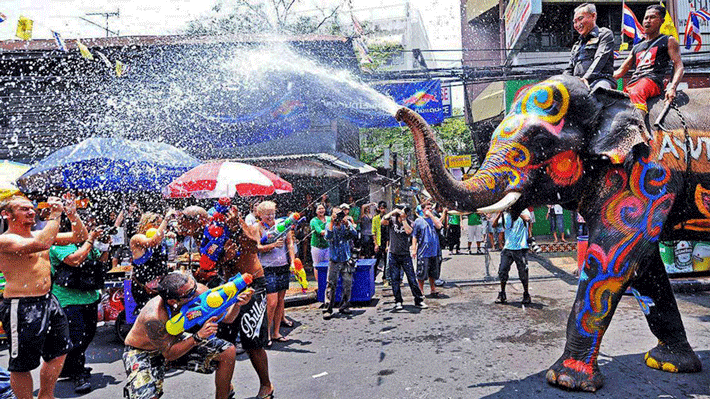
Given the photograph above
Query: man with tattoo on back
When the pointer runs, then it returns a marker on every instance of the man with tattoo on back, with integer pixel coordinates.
(150, 351)
(251, 324)
(36, 324)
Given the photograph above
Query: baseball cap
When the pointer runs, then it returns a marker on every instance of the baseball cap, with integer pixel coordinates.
(344, 206)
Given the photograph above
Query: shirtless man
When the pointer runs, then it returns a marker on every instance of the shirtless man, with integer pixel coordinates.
(150, 351)
(36, 324)
(251, 323)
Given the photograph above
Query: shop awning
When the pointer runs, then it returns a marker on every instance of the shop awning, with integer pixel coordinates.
(489, 103)
(336, 165)
(474, 8)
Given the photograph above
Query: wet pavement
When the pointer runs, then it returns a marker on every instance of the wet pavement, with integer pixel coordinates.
(463, 346)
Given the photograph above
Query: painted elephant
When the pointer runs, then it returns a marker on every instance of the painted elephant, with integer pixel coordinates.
(591, 152)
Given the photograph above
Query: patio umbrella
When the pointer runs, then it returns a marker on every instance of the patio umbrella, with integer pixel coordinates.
(109, 164)
(9, 172)
(226, 179)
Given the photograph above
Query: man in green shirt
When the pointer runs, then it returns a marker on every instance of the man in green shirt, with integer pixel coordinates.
(79, 304)
(475, 232)
(453, 236)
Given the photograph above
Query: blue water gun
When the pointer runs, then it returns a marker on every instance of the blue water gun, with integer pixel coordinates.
(281, 228)
(214, 302)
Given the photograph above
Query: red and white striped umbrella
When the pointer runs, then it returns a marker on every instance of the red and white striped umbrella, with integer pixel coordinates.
(226, 179)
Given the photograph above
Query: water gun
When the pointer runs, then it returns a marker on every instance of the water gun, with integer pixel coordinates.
(214, 302)
(281, 228)
(215, 235)
(297, 270)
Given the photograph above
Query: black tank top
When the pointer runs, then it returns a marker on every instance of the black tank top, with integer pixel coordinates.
(652, 60)
(153, 264)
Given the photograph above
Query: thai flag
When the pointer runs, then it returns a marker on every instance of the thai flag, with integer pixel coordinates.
(616, 54)
(631, 26)
(3, 17)
(692, 31)
(703, 14)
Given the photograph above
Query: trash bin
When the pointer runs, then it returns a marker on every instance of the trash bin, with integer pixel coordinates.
(363, 282)
(582, 242)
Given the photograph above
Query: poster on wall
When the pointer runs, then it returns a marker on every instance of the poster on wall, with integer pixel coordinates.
(685, 256)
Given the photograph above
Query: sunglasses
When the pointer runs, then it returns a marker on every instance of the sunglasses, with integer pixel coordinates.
(189, 294)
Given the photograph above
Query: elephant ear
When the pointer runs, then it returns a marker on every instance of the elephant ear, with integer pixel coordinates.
(620, 126)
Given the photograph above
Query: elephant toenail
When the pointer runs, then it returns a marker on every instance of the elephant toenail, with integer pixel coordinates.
(566, 381)
(551, 376)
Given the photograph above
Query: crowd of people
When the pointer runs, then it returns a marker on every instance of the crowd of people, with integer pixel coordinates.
(72, 250)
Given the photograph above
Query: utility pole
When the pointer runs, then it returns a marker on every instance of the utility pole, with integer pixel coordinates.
(106, 15)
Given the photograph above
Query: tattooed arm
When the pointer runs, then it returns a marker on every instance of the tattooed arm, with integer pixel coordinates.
(172, 347)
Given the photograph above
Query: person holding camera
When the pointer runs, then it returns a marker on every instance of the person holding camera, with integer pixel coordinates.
(400, 231)
(340, 231)
(77, 278)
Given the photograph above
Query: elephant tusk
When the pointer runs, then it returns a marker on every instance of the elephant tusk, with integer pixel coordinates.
(503, 204)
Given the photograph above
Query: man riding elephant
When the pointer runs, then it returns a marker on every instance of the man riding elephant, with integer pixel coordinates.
(652, 58)
(588, 151)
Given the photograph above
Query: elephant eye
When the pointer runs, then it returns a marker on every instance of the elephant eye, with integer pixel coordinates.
(543, 141)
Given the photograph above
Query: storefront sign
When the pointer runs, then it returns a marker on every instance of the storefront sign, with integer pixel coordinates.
(457, 161)
(520, 17)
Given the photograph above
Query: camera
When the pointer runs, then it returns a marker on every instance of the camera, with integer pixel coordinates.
(339, 216)
(404, 207)
(107, 231)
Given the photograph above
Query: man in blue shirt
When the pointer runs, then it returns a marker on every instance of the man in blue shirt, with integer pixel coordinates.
(339, 232)
(514, 250)
(425, 246)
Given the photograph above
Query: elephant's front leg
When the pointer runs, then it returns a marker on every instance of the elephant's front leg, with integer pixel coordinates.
(625, 219)
(673, 352)
(600, 289)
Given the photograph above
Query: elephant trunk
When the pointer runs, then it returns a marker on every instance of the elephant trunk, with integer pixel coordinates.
(481, 190)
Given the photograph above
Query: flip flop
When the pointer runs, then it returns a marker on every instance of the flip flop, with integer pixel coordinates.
(280, 339)
(286, 323)
(269, 395)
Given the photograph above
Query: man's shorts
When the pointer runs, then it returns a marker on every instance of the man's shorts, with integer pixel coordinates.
(475, 233)
(428, 267)
(641, 90)
(36, 326)
(251, 324)
(146, 369)
(507, 257)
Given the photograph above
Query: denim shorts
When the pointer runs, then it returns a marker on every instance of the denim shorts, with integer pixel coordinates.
(277, 278)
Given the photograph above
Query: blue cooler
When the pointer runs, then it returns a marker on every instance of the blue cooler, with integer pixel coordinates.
(128, 302)
(363, 282)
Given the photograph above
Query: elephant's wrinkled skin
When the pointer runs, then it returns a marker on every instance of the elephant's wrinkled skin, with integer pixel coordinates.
(562, 144)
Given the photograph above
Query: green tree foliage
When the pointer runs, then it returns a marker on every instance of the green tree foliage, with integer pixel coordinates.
(382, 54)
(263, 16)
(453, 137)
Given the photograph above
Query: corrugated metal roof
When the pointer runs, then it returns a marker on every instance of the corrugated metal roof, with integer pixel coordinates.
(140, 41)
(339, 160)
